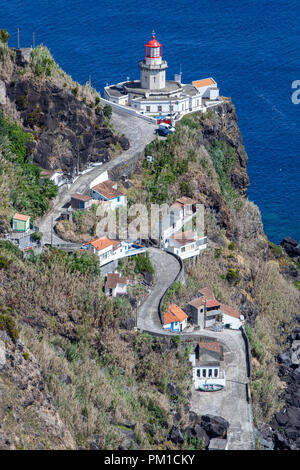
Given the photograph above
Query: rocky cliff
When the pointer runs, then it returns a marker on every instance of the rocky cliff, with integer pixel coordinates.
(66, 119)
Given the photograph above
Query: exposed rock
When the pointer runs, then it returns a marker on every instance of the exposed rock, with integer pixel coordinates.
(215, 426)
(172, 389)
(2, 355)
(291, 247)
(69, 133)
(176, 435)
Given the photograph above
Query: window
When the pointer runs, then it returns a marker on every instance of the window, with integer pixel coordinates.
(198, 372)
(209, 372)
(216, 372)
(148, 109)
(159, 108)
(203, 372)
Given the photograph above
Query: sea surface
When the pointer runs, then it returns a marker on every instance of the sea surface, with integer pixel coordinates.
(250, 47)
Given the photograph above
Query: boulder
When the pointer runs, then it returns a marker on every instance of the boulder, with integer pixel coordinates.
(174, 390)
(215, 426)
(285, 358)
(176, 435)
(2, 355)
(291, 247)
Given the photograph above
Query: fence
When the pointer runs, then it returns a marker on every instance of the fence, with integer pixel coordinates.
(127, 110)
(179, 277)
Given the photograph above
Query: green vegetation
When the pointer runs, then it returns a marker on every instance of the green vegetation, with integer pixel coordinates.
(21, 178)
(26, 355)
(7, 324)
(276, 248)
(42, 61)
(233, 275)
(4, 36)
(107, 111)
(143, 263)
(231, 246)
(297, 284)
(165, 170)
(224, 159)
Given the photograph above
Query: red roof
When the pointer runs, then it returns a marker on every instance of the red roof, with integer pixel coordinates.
(153, 42)
(22, 217)
(210, 345)
(232, 312)
(100, 243)
(113, 279)
(107, 189)
(81, 197)
(174, 314)
(212, 303)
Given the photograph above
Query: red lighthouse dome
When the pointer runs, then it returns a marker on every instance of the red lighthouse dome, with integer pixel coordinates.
(153, 49)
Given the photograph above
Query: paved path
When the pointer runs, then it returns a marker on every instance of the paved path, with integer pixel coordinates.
(166, 269)
(139, 133)
(230, 403)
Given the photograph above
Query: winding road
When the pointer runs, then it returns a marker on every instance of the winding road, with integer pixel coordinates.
(139, 133)
(231, 402)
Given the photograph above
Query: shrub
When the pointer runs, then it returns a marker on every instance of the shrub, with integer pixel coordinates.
(42, 61)
(231, 246)
(37, 236)
(107, 111)
(232, 274)
(4, 36)
(8, 324)
(143, 264)
(26, 355)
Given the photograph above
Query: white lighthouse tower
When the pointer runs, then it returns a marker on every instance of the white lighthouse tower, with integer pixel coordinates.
(153, 68)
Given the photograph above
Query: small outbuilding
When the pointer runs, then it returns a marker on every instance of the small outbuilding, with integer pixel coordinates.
(115, 285)
(21, 223)
(175, 319)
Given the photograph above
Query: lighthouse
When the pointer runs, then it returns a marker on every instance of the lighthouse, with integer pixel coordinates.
(153, 68)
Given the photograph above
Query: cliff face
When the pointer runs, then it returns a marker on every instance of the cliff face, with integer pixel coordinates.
(66, 119)
(222, 125)
(28, 418)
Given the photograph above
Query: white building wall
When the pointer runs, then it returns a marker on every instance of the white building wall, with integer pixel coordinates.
(234, 323)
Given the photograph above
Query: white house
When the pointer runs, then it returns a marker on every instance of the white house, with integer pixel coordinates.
(185, 244)
(115, 285)
(231, 318)
(102, 247)
(175, 319)
(107, 191)
(155, 96)
(111, 250)
(207, 371)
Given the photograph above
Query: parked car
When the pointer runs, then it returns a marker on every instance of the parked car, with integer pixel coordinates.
(165, 129)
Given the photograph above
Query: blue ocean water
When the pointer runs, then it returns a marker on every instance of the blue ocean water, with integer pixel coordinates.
(251, 48)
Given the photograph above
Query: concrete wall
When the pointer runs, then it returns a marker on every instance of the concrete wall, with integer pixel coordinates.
(99, 179)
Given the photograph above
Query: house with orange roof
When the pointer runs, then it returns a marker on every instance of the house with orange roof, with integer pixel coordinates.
(102, 247)
(175, 319)
(206, 359)
(207, 88)
(108, 191)
(206, 312)
(21, 223)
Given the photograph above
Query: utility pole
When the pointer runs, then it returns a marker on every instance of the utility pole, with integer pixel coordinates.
(33, 40)
(51, 230)
(18, 38)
